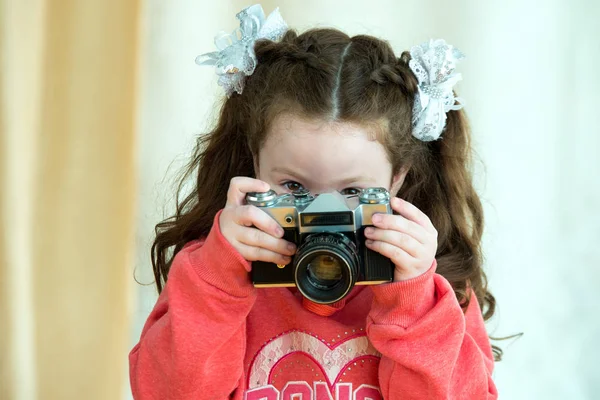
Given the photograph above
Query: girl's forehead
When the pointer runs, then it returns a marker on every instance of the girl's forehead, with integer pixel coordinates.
(302, 127)
(311, 143)
(323, 148)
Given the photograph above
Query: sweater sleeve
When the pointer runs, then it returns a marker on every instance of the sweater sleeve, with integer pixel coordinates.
(193, 343)
(430, 348)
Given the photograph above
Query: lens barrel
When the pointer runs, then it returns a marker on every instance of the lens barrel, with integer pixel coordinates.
(326, 267)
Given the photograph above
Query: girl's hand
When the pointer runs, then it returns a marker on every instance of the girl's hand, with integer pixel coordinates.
(250, 230)
(408, 239)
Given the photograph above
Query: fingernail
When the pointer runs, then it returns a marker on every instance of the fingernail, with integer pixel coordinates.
(376, 218)
(291, 247)
(279, 231)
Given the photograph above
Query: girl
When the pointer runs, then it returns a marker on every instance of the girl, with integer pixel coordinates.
(324, 112)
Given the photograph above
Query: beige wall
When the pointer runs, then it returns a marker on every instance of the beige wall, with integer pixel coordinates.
(531, 92)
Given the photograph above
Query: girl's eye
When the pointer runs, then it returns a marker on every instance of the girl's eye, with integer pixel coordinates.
(350, 191)
(292, 186)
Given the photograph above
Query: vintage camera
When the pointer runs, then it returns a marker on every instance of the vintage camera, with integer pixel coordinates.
(328, 230)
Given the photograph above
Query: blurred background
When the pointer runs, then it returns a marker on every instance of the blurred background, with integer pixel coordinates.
(101, 103)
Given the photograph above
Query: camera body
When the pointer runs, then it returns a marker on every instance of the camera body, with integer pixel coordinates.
(328, 230)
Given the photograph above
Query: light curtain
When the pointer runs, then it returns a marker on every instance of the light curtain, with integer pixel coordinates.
(67, 179)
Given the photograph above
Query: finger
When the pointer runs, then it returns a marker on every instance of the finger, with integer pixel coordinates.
(398, 256)
(256, 238)
(412, 213)
(395, 238)
(252, 253)
(240, 185)
(401, 224)
(249, 215)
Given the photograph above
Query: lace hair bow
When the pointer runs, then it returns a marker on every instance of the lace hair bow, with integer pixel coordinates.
(433, 63)
(236, 59)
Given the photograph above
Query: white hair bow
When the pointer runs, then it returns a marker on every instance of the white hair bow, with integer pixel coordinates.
(433, 64)
(235, 58)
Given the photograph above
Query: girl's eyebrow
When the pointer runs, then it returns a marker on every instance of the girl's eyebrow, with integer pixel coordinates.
(346, 181)
(357, 179)
(287, 171)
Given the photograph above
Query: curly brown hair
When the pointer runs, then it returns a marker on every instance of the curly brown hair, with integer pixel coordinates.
(324, 73)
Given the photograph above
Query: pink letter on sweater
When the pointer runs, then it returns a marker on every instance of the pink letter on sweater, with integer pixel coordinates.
(367, 392)
(343, 391)
(297, 391)
(263, 393)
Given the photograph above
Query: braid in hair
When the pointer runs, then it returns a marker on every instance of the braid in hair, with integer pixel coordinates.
(288, 49)
(398, 73)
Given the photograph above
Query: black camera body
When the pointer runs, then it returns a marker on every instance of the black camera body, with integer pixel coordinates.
(328, 230)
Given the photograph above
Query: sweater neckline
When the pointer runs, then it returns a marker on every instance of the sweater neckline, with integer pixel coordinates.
(326, 310)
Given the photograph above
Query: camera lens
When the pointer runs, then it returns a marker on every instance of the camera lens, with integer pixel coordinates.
(326, 267)
(324, 271)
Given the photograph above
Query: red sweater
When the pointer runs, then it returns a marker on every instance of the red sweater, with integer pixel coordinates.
(212, 335)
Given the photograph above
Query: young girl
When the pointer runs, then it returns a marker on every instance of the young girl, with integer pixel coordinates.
(324, 112)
